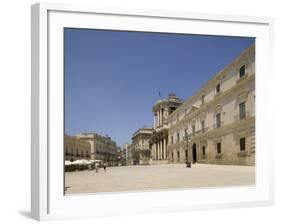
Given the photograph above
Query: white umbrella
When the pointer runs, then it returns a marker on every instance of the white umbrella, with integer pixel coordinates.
(67, 162)
(81, 162)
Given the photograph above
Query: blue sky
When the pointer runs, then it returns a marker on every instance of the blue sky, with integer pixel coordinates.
(112, 78)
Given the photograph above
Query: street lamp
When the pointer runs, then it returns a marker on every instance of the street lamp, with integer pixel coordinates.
(187, 141)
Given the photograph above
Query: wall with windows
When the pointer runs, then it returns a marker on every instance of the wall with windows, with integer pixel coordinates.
(102, 147)
(75, 149)
(141, 142)
(218, 114)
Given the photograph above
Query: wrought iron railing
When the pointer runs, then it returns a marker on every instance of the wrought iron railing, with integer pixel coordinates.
(241, 116)
(218, 124)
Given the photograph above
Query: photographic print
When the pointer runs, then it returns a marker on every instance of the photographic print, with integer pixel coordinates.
(148, 111)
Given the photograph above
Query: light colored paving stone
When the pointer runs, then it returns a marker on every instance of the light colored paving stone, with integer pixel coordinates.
(153, 177)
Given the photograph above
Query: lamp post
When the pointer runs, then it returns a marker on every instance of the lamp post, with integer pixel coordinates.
(187, 140)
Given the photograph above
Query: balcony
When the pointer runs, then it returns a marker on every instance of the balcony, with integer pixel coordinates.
(218, 125)
(241, 79)
(217, 94)
(242, 154)
(203, 157)
(241, 116)
(219, 155)
(203, 130)
(143, 147)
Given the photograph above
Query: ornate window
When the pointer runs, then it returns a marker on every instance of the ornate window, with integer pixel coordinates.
(242, 144)
(219, 148)
(218, 88)
(242, 71)
(203, 99)
(193, 129)
(203, 126)
(242, 110)
(218, 120)
(203, 150)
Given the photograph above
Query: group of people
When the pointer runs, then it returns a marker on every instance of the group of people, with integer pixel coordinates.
(97, 167)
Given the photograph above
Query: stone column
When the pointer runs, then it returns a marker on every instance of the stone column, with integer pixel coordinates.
(161, 149)
(167, 141)
(158, 149)
(155, 148)
(165, 148)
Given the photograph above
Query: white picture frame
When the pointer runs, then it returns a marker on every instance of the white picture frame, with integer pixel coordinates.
(48, 201)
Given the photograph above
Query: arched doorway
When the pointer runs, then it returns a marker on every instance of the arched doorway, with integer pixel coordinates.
(194, 153)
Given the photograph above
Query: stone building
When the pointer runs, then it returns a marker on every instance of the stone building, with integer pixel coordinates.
(129, 154)
(75, 149)
(102, 147)
(142, 147)
(217, 124)
(159, 141)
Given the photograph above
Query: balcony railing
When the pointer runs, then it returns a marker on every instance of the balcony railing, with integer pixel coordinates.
(218, 93)
(219, 155)
(241, 79)
(218, 125)
(241, 116)
(203, 130)
(242, 154)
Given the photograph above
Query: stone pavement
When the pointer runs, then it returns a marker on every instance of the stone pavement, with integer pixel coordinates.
(153, 177)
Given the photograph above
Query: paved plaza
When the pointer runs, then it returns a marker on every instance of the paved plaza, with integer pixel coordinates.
(153, 177)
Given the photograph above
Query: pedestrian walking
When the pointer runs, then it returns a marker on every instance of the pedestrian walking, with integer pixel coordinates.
(104, 167)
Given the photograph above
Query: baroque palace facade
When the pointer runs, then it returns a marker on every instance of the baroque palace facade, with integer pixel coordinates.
(75, 149)
(216, 125)
(91, 146)
(102, 147)
(141, 145)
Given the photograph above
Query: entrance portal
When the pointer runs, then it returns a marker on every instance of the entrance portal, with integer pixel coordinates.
(194, 153)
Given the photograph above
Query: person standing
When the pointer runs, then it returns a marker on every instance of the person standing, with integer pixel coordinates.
(104, 167)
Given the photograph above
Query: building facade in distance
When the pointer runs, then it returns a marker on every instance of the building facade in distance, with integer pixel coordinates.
(141, 146)
(102, 147)
(217, 124)
(75, 149)
(130, 154)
